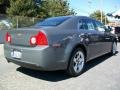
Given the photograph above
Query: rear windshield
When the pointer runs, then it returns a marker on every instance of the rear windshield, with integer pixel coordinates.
(52, 21)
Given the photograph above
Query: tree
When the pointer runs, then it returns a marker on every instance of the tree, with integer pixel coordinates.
(46, 8)
(97, 15)
(51, 8)
(36, 8)
(3, 6)
(22, 8)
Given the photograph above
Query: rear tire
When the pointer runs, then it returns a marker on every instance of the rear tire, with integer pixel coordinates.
(77, 63)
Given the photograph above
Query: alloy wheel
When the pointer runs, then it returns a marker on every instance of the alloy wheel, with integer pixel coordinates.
(78, 61)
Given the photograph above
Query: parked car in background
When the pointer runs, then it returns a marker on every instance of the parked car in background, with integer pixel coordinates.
(59, 43)
(117, 32)
(5, 25)
(110, 29)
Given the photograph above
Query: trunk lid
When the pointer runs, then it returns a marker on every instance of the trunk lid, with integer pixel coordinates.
(21, 37)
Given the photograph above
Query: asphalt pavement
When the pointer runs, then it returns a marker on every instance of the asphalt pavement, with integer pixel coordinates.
(102, 73)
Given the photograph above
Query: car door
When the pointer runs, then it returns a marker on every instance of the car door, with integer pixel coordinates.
(105, 38)
(89, 31)
(108, 42)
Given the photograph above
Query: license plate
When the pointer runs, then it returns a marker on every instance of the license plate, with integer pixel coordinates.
(16, 54)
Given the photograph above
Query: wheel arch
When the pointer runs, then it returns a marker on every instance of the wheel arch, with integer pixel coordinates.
(74, 48)
(82, 47)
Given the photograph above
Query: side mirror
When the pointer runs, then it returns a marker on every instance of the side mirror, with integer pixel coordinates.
(108, 29)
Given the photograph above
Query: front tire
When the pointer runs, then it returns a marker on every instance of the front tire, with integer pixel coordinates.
(114, 48)
(119, 39)
(77, 62)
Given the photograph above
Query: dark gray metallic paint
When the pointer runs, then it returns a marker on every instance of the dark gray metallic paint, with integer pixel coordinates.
(56, 58)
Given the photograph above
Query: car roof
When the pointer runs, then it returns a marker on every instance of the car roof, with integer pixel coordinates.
(72, 16)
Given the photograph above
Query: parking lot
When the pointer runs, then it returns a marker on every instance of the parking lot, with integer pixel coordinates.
(102, 73)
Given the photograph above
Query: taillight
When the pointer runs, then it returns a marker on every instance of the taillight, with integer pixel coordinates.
(33, 40)
(8, 38)
(39, 39)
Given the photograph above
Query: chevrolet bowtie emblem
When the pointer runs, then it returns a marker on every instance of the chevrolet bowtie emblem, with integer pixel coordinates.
(19, 34)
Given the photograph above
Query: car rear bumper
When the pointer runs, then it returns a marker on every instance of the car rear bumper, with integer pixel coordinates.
(25, 64)
(39, 58)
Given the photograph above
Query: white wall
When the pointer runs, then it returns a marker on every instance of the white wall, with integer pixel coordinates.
(1, 50)
(2, 36)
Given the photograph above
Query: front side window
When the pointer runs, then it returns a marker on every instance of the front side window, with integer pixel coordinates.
(99, 26)
(90, 26)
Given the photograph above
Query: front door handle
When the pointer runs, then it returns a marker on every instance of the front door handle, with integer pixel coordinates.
(107, 38)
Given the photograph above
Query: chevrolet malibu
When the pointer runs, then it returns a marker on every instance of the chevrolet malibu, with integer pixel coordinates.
(59, 43)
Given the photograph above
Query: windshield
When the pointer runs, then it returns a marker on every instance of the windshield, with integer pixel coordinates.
(52, 21)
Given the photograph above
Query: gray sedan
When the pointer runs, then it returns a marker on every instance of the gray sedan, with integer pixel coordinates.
(59, 43)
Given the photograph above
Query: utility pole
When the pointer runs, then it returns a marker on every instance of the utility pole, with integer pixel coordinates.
(17, 20)
(101, 10)
(105, 19)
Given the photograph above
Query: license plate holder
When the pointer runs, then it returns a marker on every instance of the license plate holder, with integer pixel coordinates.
(16, 54)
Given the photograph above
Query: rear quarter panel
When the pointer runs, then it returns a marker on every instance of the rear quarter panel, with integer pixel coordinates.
(67, 36)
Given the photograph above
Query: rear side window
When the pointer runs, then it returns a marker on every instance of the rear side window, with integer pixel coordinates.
(52, 21)
(85, 24)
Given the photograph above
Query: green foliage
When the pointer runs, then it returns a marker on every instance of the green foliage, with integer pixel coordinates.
(22, 8)
(1, 1)
(51, 8)
(47, 8)
(97, 15)
(3, 6)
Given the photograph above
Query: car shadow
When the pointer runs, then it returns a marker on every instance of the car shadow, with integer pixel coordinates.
(52, 76)
(55, 76)
(96, 61)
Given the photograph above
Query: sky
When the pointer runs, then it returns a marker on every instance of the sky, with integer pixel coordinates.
(85, 7)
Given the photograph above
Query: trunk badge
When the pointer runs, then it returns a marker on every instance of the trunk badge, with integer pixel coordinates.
(19, 34)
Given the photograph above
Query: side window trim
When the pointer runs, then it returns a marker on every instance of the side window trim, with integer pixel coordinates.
(84, 24)
(80, 22)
